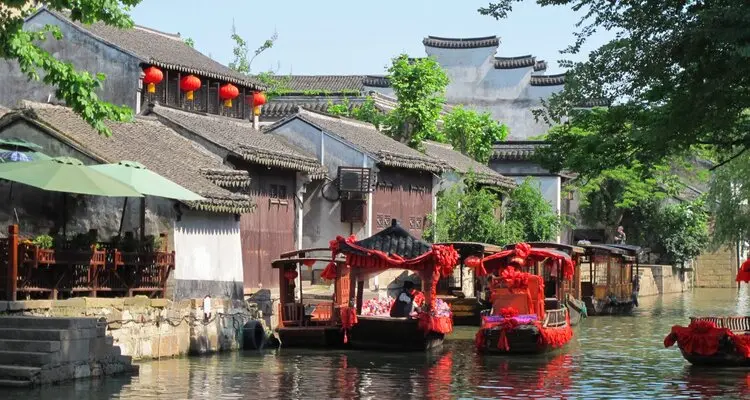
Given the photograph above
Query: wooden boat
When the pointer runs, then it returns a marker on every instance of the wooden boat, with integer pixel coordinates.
(391, 248)
(713, 341)
(463, 291)
(301, 323)
(608, 282)
(522, 320)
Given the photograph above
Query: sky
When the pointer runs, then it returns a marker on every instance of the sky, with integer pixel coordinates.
(337, 37)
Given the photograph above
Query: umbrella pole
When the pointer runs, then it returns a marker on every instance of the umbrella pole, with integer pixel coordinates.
(65, 215)
(143, 218)
(122, 217)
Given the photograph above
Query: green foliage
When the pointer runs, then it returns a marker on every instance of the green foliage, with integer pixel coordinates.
(367, 111)
(677, 70)
(528, 208)
(190, 42)
(76, 88)
(242, 62)
(419, 86)
(276, 85)
(728, 201)
(44, 241)
(473, 133)
(683, 230)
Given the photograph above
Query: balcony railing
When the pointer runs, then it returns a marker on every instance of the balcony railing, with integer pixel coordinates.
(29, 271)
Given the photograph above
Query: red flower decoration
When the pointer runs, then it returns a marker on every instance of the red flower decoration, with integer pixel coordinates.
(514, 279)
(508, 312)
(446, 258)
(523, 250)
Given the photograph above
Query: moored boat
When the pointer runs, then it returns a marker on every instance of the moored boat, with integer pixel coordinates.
(392, 248)
(522, 320)
(713, 341)
(608, 285)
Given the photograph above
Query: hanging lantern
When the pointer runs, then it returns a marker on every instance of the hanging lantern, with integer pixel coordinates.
(189, 84)
(257, 100)
(290, 275)
(227, 93)
(152, 77)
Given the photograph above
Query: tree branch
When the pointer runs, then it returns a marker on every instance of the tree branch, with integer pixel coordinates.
(739, 153)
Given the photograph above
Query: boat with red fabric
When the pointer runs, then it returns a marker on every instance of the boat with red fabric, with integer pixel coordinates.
(715, 341)
(391, 248)
(522, 320)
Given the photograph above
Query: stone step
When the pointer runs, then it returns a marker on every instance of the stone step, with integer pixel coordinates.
(46, 334)
(47, 322)
(28, 358)
(18, 372)
(46, 346)
(14, 383)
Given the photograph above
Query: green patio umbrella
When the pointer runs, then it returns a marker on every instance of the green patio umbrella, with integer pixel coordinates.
(147, 182)
(67, 175)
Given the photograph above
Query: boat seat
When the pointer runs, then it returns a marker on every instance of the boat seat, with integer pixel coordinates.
(551, 304)
(294, 314)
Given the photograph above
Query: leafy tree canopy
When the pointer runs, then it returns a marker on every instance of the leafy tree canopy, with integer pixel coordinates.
(473, 133)
(367, 111)
(419, 85)
(528, 208)
(678, 72)
(76, 88)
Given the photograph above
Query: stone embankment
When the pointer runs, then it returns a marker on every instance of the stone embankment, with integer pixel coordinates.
(36, 350)
(144, 328)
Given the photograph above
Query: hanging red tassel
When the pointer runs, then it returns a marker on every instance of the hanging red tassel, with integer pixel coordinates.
(743, 275)
(329, 273)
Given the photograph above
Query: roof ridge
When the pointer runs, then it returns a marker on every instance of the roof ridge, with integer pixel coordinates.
(332, 117)
(443, 145)
(175, 36)
(463, 39)
(461, 43)
(216, 117)
(514, 57)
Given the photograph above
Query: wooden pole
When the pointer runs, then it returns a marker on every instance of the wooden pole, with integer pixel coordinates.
(143, 219)
(12, 286)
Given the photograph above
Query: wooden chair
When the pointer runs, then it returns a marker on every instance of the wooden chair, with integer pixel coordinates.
(293, 314)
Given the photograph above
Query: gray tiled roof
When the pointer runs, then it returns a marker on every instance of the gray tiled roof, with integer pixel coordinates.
(463, 164)
(515, 62)
(241, 138)
(595, 103)
(380, 81)
(459, 43)
(540, 65)
(547, 80)
(329, 83)
(521, 150)
(164, 50)
(387, 152)
(146, 141)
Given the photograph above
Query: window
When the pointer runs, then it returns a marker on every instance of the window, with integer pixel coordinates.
(277, 195)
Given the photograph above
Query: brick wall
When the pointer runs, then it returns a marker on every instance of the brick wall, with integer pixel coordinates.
(716, 269)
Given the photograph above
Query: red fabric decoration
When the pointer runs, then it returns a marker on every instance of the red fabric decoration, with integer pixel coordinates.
(290, 275)
(348, 320)
(418, 298)
(473, 262)
(700, 337)
(227, 93)
(515, 280)
(329, 273)
(309, 263)
(189, 84)
(742, 343)
(431, 323)
(506, 326)
(555, 337)
(479, 340)
(152, 76)
(525, 251)
(518, 261)
(743, 275)
(446, 258)
(508, 312)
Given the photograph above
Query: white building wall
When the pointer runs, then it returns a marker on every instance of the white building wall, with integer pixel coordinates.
(208, 256)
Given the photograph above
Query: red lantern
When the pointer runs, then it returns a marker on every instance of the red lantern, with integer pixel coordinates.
(290, 275)
(258, 99)
(152, 76)
(190, 84)
(227, 93)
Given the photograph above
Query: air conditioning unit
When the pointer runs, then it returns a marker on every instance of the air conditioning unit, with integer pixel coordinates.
(354, 180)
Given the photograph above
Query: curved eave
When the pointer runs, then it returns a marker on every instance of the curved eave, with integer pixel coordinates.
(461, 43)
(515, 62)
(213, 75)
(547, 80)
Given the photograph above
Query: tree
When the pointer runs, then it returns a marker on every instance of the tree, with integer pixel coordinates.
(472, 133)
(241, 62)
(528, 208)
(683, 230)
(728, 201)
(419, 85)
(366, 112)
(677, 70)
(76, 88)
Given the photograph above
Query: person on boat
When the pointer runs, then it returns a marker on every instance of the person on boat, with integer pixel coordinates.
(405, 302)
(620, 236)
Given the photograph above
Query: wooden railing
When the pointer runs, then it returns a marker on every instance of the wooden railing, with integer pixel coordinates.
(556, 318)
(735, 324)
(25, 268)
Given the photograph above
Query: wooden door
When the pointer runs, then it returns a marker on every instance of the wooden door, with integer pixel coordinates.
(405, 195)
(269, 230)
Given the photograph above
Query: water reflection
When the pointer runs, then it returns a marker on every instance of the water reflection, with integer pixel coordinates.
(610, 357)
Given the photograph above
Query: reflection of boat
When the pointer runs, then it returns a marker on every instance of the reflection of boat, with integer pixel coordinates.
(549, 378)
(607, 284)
(713, 341)
(391, 248)
(522, 319)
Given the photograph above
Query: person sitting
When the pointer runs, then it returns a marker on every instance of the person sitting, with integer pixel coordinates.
(404, 304)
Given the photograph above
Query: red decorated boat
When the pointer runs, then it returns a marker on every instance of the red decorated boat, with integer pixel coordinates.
(715, 341)
(522, 320)
(391, 248)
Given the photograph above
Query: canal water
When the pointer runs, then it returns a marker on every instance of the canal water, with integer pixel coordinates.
(609, 358)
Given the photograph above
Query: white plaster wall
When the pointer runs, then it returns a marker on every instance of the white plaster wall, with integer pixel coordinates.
(207, 247)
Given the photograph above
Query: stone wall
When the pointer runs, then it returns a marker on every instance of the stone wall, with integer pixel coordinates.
(146, 328)
(663, 279)
(717, 269)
